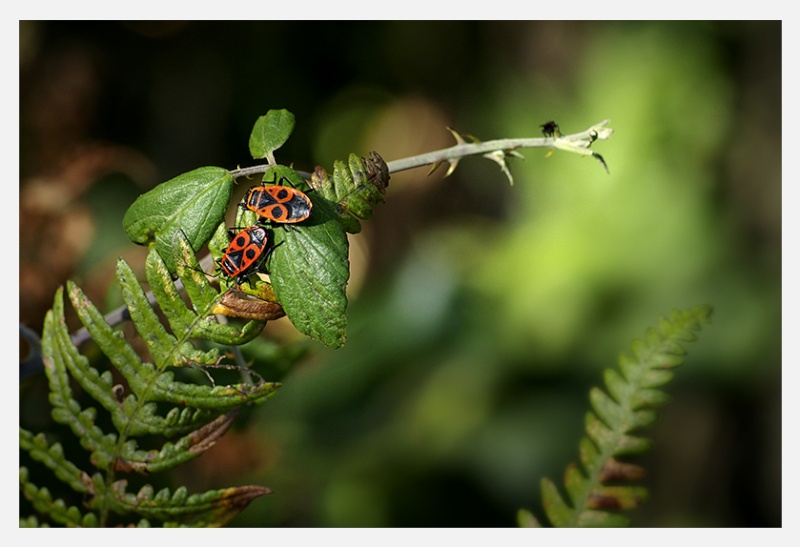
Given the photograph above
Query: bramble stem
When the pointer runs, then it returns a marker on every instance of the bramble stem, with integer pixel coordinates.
(577, 143)
(463, 150)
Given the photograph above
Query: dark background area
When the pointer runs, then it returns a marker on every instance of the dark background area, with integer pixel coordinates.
(481, 313)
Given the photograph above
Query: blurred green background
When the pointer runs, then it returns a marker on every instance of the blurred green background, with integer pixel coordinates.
(481, 313)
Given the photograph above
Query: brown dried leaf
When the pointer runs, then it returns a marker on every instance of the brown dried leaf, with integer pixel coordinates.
(238, 304)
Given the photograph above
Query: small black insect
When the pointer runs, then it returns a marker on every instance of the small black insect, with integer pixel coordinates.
(550, 129)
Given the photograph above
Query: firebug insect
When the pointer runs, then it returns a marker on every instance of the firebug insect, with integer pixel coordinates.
(247, 251)
(278, 203)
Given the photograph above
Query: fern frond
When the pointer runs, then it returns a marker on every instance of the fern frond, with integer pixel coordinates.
(600, 488)
(197, 414)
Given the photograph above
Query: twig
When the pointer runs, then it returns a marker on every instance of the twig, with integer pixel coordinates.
(577, 143)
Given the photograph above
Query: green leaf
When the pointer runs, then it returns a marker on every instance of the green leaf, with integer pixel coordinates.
(270, 132)
(193, 204)
(309, 268)
(309, 271)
